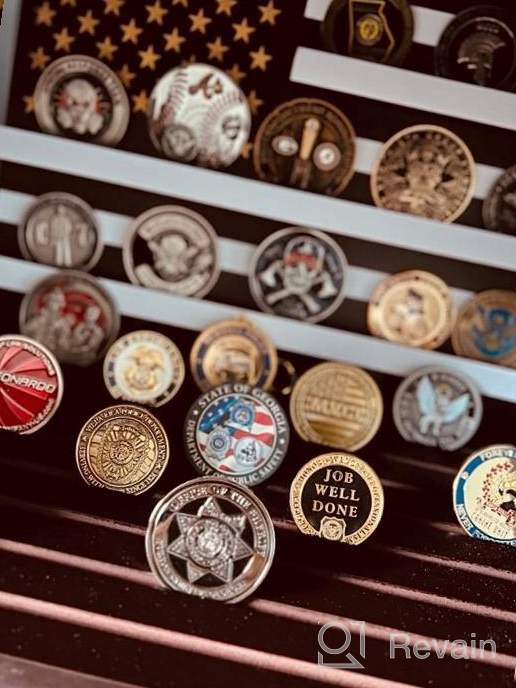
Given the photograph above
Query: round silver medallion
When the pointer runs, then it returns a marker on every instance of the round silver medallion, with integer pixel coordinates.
(199, 114)
(437, 408)
(299, 273)
(59, 229)
(81, 97)
(173, 249)
(211, 538)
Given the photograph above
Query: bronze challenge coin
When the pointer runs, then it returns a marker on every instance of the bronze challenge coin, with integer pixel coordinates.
(337, 497)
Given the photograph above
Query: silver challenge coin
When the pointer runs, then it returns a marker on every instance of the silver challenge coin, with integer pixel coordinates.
(198, 114)
(173, 249)
(72, 315)
(211, 538)
(437, 407)
(60, 229)
(80, 97)
(238, 431)
(499, 209)
(299, 273)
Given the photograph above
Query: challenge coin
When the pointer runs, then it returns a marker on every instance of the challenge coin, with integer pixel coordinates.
(173, 249)
(484, 494)
(336, 405)
(80, 97)
(437, 407)
(486, 327)
(233, 350)
(144, 367)
(198, 114)
(306, 143)
(72, 315)
(412, 307)
(122, 448)
(337, 497)
(424, 170)
(479, 46)
(59, 229)
(211, 538)
(237, 431)
(31, 384)
(381, 30)
(299, 273)
(499, 209)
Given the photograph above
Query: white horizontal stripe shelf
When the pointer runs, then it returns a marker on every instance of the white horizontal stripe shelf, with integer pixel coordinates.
(289, 206)
(291, 336)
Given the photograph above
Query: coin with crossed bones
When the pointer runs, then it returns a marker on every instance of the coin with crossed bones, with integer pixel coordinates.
(299, 273)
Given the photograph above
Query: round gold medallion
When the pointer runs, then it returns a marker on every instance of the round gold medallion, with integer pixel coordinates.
(122, 448)
(412, 307)
(337, 405)
(233, 351)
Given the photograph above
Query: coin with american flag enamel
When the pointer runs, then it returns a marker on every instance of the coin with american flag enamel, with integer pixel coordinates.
(237, 431)
(31, 384)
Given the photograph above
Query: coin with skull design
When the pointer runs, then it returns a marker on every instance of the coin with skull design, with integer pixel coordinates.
(437, 408)
(173, 249)
(237, 431)
(198, 114)
(211, 538)
(299, 273)
(80, 97)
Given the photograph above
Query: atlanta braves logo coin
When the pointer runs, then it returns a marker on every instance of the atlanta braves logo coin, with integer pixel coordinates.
(426, 171)
(412, 307)
(486, 327)
(80, 97)
(299, 273)
(437, 408)
(306, 143)
(71, 314)
(337, 497)
(479, 46)
(484, 494)
(199, 114)
(233, 350)
(173, 249)
(237, 431)
(59, 229)
(122, 448)
(31, 384)
(211, 538)
(378, 30)
(144, 367)
(336, 405)
(499, 209)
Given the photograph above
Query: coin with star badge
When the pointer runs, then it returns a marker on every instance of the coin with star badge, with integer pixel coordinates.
(198, 114)
(144, 367)
(173, 249)
(237, 431)
(486, 327)
(437, 407)
(80, 97)
(424, 170)
(122, 448)
(484, 494)
(73, 315)
(412, 307)
(211, 538)
(306, 143)
(379, 31)
(299, 273)
(336, 405)
(337, 497)
(60, 229)
(233, 350)
(499, 209)
(479, 46)
(31, 384)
